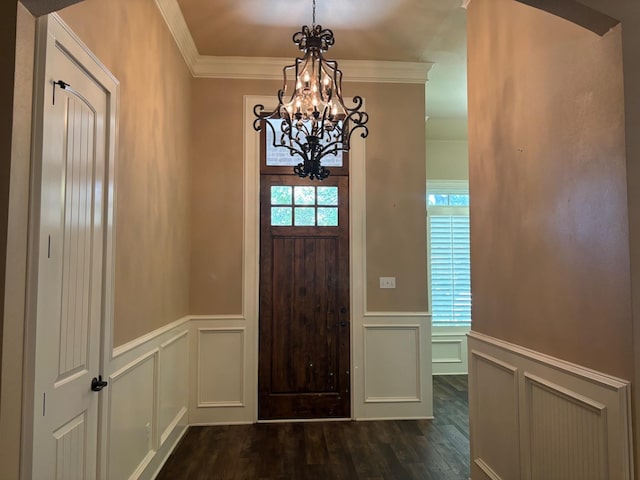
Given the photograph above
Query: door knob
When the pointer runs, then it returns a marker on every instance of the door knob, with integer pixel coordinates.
(98, 384)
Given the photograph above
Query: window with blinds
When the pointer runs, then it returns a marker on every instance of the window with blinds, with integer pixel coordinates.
(449, 257)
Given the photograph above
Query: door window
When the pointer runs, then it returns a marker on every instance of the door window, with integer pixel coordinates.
(304, 206)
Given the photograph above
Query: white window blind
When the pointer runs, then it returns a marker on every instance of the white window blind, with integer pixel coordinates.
(449, 257)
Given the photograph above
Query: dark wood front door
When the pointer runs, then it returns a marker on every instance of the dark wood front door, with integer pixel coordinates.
(304, 298)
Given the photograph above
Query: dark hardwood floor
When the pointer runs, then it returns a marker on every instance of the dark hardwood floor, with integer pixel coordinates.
(391, 450)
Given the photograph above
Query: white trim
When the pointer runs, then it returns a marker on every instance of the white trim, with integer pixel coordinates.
(163, 438)
(418, 362)
(238, 316)
(174, 19)
(606, 396)
(251, 236)
(486, 469)
(450, 331)
(377, 314)
(168, 452)
(358, 268)
(216, 424)
(131, 365)
(173, 339)
(270, 68)
(494, 361)
(237, 403)
(234, 404)
(147, 337)
(444, 341)
(593, 376)
(143, 465)
(152, 356)
(449, 352)
(531, 379)
(169, 429)
(392, 400)
(376, 419)
(172, 425)
(306, 420)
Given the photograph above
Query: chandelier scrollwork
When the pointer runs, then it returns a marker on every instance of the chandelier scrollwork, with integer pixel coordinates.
(311, 119)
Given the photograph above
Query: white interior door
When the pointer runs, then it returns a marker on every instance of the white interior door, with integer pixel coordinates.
(70, 269)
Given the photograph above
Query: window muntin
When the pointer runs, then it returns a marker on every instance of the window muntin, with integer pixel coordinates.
(304, 206)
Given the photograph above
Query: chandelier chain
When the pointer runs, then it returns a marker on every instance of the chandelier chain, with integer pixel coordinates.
(314, 13)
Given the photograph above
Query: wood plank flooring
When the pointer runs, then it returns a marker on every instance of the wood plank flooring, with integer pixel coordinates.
(378, 450)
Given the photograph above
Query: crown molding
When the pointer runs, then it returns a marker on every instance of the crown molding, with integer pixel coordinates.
(174, 19)
(269, 68)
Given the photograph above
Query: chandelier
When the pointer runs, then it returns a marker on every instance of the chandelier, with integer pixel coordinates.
(311, 119)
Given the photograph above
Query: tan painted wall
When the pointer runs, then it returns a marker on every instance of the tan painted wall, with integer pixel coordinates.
(396, 197)
(152, 217)
(395, 194)
(16, 252)
(550, 246)
(217, 193)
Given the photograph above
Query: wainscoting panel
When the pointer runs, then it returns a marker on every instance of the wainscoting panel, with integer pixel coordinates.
(495, 424)
(174, 372)
(392, 363)
(573, 423)
(146, 413)
(221, 367)
(131, 415)
(449, 350)
(392, 367)
(567, 433)
(222, 382)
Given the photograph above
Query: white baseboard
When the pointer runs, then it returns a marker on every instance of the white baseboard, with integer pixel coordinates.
(536, 416)
(161, 457)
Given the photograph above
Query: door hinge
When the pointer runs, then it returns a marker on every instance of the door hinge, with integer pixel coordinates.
(44, 403)
(49, 247)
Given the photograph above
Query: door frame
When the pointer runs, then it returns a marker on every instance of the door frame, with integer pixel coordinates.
(52, 32)
(251, 248)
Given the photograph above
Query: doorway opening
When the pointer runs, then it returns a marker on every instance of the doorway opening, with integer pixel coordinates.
(304, 293)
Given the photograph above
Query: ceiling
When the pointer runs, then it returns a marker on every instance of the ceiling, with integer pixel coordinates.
(392, 30)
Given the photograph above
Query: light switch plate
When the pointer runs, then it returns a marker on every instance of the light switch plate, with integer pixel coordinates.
(387, 282)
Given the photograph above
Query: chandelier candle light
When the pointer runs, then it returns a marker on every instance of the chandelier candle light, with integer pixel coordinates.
(311, 119)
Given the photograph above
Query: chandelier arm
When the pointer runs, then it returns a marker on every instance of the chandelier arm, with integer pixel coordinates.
(258, 112)
(359, 120)
(357, 101)
(314, 120)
